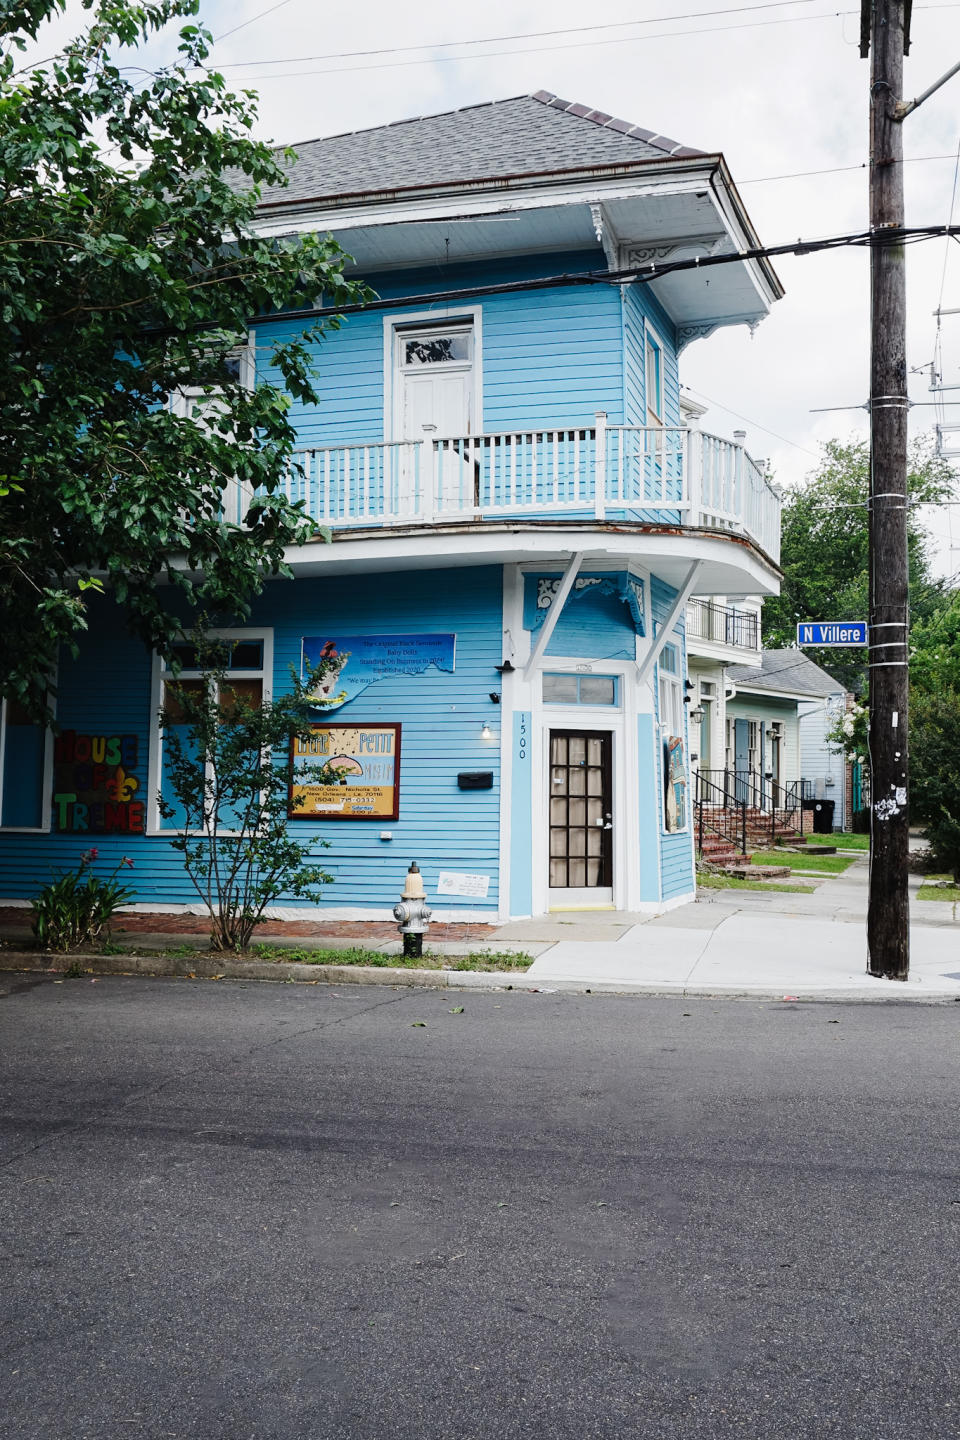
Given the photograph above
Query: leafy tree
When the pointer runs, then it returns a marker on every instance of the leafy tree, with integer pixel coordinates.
(825, 551)
(129, 272)
(228, 763)
(935, 730)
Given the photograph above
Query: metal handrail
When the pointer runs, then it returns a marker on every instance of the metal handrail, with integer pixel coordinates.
(728, 820)
(744, 791)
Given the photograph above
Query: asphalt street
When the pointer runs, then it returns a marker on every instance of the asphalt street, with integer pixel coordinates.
(283, 1212)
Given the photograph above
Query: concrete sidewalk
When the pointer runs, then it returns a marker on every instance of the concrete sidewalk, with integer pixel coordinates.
(746, 943)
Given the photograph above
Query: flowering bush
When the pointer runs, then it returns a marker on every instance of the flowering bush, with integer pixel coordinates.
(851, 733)
(73, 909)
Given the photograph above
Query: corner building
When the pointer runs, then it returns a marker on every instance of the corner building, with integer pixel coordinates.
(522, 519)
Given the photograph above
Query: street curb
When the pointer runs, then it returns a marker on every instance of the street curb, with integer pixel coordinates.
(202, 968)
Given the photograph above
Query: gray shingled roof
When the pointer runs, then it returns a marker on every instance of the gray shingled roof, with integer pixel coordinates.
(527, 135)
(788, 670)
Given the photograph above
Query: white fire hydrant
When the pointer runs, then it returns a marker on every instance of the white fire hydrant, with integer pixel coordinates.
(413, 913)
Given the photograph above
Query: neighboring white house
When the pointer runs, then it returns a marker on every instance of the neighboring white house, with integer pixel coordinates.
(777, 720)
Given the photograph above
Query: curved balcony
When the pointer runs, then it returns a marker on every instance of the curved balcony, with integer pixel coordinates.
(607, 473)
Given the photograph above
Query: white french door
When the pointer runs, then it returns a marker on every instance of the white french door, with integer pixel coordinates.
(434, 386)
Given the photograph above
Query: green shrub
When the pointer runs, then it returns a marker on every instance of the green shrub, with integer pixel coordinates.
(74, 909)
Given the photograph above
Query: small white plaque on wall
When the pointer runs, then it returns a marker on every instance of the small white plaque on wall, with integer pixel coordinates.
(450, 882)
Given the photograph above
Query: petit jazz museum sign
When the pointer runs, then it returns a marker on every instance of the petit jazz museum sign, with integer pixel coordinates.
(94, 788)
(832, 632)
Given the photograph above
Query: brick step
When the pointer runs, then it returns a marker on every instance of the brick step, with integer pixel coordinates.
(743, 870)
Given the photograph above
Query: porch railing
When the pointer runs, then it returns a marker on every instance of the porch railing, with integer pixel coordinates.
(658, 475)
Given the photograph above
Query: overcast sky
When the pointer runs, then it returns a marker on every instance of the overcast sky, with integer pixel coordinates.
(779, 88)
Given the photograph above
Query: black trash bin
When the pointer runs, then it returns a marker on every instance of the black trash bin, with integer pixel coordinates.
(823, 816)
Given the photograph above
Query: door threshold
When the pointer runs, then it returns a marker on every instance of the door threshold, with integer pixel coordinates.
(562, 909)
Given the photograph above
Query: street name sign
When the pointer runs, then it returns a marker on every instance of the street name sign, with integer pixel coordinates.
(832, 632)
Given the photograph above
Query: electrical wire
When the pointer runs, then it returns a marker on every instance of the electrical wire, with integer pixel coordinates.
(755, 424)
(538, 49)
(840, 169)
(498, 39)
(253, 19)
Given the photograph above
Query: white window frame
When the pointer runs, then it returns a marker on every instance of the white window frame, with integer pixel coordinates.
(393, 327)
(46, 782)
(652, 338)
(155, 822)
(182, 403)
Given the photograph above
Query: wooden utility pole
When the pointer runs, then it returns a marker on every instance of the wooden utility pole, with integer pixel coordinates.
(888, 914)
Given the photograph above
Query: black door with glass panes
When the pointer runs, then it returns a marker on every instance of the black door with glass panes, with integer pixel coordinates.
(581, 805)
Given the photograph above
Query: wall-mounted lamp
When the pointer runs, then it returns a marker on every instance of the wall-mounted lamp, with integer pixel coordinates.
(689, 685)
(697, 715)
(495, 696)
(485, 732)
(506, 668)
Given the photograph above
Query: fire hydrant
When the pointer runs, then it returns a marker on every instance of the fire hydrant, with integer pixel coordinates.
(413, 913)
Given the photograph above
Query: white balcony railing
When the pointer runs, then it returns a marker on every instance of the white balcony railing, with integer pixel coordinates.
(605, 472)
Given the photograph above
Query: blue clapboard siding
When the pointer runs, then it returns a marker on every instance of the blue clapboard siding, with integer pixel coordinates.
(440, 826)
(550, 358)
(640, 309)
(441, 714)
(676, 850)
(592, 626)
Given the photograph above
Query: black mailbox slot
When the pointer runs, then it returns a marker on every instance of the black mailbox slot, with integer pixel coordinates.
(475, 780)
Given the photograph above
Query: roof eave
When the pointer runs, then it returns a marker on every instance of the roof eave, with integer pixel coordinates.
(522, 179)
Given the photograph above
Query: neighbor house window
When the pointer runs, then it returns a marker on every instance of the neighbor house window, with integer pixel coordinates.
(24, 763)
(246, 660)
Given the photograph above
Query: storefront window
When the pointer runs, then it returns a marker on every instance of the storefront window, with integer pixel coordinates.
(23, 757)
(245, 665)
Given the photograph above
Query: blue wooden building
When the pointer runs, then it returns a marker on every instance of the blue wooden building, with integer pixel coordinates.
(520, 516)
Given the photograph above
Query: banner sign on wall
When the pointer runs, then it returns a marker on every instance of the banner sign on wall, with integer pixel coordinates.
(675, 783)
(95, 791)
(367, 761)
(362, 660)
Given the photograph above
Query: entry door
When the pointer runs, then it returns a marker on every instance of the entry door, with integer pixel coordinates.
(581, 817)
(435, 373)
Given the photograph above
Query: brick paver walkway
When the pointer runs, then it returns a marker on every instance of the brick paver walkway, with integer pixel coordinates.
(163, 924)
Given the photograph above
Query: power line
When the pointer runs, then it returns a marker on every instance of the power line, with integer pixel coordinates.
(755, 424)
(645, 275)
(837, 170)
(539, 49)
(244, 23)
(498, 39)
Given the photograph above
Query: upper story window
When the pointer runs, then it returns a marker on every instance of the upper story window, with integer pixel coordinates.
(653, 373)
(436, 348)
(436, 345)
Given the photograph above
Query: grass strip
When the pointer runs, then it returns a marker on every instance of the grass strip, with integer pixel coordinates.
(814, 864)
(486, 960)
(732, 882)
(930, 890)
(844, 840)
